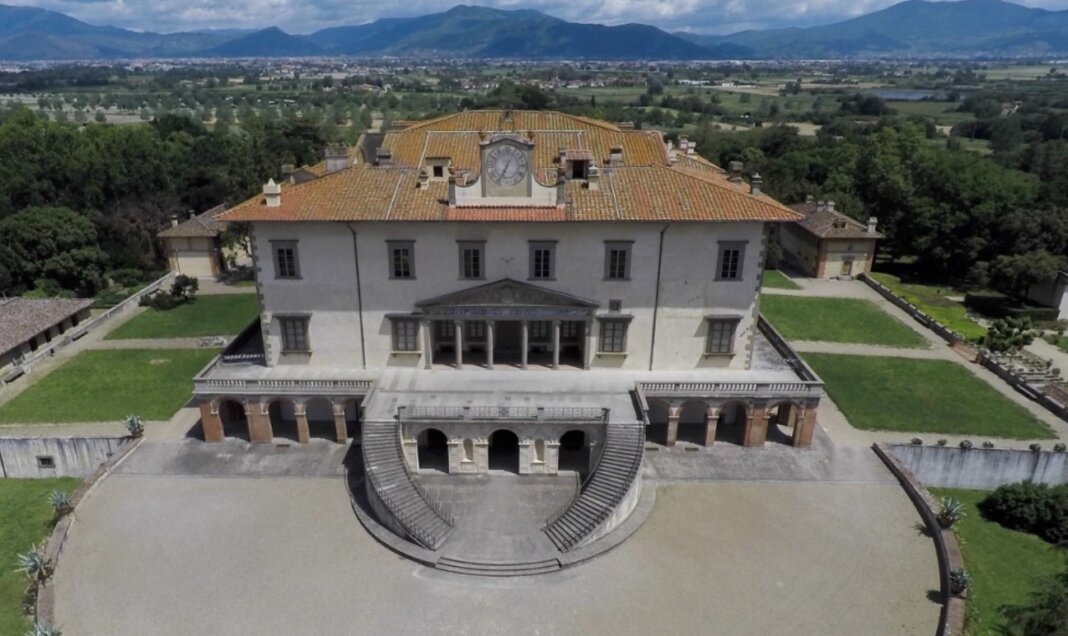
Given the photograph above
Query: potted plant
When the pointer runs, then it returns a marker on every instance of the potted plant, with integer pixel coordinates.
(62, 503)
(135, 426)
(951, 511)
(959, 582)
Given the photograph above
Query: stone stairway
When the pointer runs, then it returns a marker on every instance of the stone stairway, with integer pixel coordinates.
(502, 568)
(388, 474)
(604, 489)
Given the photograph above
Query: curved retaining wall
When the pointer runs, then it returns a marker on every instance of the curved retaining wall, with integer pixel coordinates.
(980, 468)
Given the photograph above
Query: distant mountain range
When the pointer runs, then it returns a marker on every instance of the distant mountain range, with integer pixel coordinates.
(911, 28)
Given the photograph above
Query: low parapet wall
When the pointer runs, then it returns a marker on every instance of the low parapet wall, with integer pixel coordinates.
(980, 468)
(35, 457)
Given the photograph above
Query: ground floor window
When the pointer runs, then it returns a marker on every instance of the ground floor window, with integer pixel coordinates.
(294, 333)
(405, 334)
(720, 338)
(613, 335)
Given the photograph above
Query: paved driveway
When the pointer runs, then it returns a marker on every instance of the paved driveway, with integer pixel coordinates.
(171, 554)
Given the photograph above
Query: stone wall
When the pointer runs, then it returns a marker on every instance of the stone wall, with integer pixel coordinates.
(28, 457)
(980, 468)
(947, 334)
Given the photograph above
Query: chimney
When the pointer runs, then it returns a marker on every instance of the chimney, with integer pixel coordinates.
(272, 193)
(192, 215)
(593, 178)
(424, 179)
(809, 198)
(684, 145)
(872, 223)
(452, 189)
(561, 155)
(734, 168)
(830, 206)
(561, 189)
(383, 156)
(615, 155)
(287, 172)
(337, 158)
(755, 183)
(174, 220)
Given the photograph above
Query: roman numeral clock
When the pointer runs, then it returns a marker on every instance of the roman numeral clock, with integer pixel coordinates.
(507, 163)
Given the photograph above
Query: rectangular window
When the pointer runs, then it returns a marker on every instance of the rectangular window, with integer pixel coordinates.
(569, 330)
(294, 334)
(617, 260)
(540, 329)
(720, 338)
(401, 259)
(405, 334)
(613, 336)
(542, 260)
(46, 461)
(471, 259)
(439, 172)
(446, 329)
(476, 330)
(731, 256)
(286, 262)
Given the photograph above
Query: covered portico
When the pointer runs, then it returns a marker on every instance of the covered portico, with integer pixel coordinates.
(507, 323)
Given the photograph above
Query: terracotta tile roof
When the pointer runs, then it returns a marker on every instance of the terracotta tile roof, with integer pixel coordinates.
(824, 223)
(23, 318)
(203, 225)
(644, 187)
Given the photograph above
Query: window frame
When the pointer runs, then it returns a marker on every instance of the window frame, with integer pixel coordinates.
(534, 247)
(739, 269)
(480, 246)
(392, 246)
(276, 248)
(617, 246)
(617, 322)
(395, 335)
(305, 335)
(712, 322)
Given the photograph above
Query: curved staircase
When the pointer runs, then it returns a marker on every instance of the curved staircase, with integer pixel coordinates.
(606, 487)
(388, 474)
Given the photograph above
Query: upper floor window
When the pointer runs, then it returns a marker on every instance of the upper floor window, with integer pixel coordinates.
(401, 259)
(471, 259)
(731, 257)
(617, 260)
(720, 337)
(286, 259)
(543, 260)
(294, 334)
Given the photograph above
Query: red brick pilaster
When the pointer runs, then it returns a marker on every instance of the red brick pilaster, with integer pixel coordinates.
(805, 428)
(756, 429)
(210, 422)
(673, 424)
(259, 423)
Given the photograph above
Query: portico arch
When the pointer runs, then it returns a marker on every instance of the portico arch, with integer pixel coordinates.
(656, 431)
(233, 418)
(504, 451)
(281, 415)
(783, 419)
(320, 414)
(433, 450)
(733, 420)
(693, 421)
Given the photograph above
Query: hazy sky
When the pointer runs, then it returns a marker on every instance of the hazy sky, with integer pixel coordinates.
(303, 16)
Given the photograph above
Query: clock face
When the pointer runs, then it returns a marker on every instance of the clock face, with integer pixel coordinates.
(506, 165)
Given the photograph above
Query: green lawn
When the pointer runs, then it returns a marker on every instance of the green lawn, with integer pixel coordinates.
(25, 520)
(879, 393)
(934, 301)
(1005, 564)
(776, 279)
(836, 320)
(220, 315)
(105, 385)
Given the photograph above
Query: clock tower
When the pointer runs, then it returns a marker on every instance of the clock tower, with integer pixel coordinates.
(507, 166)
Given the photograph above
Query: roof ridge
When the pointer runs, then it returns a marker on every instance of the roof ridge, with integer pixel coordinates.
(715, 183)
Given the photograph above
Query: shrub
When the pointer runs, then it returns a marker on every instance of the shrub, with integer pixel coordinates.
(62, 503)
(184, 287)
(1036, 447)
(126, 277)
(959, 581)
(988, 444)
(1046, 611)
(951, 511)
(941, 442)
(916, 441)
(966, 444)
(162, 302)
(1039, 509)
(1059, 447)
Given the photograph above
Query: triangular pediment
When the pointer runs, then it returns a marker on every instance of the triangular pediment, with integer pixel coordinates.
(507, 293)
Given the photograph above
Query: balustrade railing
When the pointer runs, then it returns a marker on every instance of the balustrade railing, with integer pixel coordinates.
(502, 412)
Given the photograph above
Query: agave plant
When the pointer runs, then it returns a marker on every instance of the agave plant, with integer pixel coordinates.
(966, 444)
(1036, 447)
(959, 581)
(1059, 447)
(950, 512)
(134, 425)
(35, 565)
(916, 441)
(988, 444)
(40, 629)
(62, 503)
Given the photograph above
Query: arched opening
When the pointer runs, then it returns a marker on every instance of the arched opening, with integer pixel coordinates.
(656, 432)
(234, 421)
(733, 418)
(693, 422)
(320, 412)
(782, 420)
(504, 451)
(283, 419)
(573, 454)
(433, 450)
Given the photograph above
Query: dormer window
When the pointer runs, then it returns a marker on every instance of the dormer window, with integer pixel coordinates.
(438, 167)
(439, 172)
(580, 169)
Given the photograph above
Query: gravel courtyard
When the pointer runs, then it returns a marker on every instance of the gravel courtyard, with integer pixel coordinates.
(281, 556)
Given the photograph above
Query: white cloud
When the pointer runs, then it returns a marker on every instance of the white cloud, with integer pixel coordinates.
(303, 16)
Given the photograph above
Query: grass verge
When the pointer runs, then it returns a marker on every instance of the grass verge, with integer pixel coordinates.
(25, 520)
(879, 393)
(936, 302)
(218, 315)
(1005, 564)
(837, 320)
(105, 385)
(777, 280)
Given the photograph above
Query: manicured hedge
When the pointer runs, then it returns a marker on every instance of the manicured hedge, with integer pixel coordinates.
(1038, 509)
